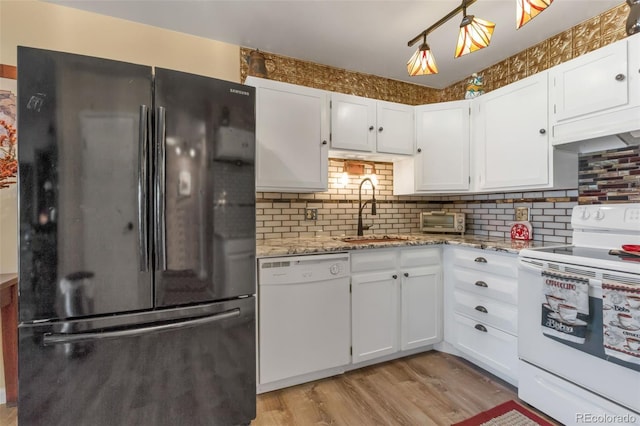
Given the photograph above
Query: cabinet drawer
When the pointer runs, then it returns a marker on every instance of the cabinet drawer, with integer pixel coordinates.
(492, 286)
(495, 348)
(373, 260)
(498, 314)
(420, 256)
(487, 261)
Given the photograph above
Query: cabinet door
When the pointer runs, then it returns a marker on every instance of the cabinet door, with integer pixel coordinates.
(590, 83)
(292, 132)
(421, 307)
(442, 141)
(395, 128)
(374, 310)
(512, 138)
(353, 123)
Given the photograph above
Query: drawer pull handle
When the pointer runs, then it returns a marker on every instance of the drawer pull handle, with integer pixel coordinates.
(406, 274)
(370, 128)
(481, 327)
(480, 260)
(395, 277)
(620, 77)
(481, 309)
(481, 284)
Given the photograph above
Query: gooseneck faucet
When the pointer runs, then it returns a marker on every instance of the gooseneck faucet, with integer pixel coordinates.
(362, 205)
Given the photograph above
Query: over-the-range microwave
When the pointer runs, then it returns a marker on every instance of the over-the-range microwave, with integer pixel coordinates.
(441, 221)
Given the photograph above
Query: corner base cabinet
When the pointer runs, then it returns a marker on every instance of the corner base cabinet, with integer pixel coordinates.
(292, 137)
(481, 317)
(396, 301)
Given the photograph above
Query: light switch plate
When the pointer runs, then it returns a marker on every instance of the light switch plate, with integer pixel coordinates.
(522, 213)
(310, 214)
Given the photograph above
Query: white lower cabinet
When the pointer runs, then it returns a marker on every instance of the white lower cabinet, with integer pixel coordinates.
(396, 301)
(480, 300)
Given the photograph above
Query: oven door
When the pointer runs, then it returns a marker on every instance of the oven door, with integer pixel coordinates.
(583, 364)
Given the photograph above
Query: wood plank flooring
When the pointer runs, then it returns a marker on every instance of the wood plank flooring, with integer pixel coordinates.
(431, 388)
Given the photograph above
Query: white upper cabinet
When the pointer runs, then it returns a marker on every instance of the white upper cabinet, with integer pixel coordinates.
(511, 138)
(292, 137)
(442, 146)
(395, 128)
(596, 94)
(371, 126)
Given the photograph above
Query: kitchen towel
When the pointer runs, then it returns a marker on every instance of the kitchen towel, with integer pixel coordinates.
(565, 306)
(621, 320)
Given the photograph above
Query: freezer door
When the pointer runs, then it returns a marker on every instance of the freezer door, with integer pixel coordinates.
(193, 366)
(83, 172)
(205, 189)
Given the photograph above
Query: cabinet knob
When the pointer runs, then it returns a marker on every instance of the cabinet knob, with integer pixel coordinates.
(543, 131)
(480, 260)
(481, 327)
(419, 149)
(620, 77)
(481, 308)
(481, 284)
(380, 129)
(406, 274)
(395, 277)
(324, 142)
(370, 128)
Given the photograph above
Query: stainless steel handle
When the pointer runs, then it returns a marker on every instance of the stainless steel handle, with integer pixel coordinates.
(620, 77)
(160, 225)
(480, 260)
(57, 338)
(143, 193)
(481, 327)
(482, 309)
(481, 284)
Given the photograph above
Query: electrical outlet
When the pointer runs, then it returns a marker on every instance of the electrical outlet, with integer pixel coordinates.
(310, 214)
(522, 213)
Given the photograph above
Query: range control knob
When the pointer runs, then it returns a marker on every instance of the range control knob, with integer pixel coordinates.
(599, 215)
(459, 228)
(585, 214)
(335, 269)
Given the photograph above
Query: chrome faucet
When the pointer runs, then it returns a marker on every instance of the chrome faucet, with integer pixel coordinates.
(361, 205)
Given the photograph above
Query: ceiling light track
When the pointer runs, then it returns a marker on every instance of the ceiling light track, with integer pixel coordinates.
(448, 16)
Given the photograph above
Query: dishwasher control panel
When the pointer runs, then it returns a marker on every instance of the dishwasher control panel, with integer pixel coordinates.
(299, 269)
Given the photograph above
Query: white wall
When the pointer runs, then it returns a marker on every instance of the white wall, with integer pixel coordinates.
(48, 26)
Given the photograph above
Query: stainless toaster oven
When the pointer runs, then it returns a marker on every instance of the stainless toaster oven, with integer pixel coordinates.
(441, 221)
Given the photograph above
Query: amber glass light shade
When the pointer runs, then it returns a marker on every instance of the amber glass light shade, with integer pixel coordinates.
(474, 34)
(422, 62)
(526, 10)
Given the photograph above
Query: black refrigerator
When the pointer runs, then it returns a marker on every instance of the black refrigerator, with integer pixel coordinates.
(137, 244)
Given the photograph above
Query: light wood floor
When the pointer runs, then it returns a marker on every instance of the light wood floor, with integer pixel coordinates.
(432, 388)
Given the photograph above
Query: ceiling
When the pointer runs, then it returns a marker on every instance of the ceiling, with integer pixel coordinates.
(358, 35)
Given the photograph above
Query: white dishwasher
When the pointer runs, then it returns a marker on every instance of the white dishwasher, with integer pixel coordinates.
(304, 316)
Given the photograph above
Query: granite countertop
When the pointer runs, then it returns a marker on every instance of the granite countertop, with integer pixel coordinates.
(327, 244)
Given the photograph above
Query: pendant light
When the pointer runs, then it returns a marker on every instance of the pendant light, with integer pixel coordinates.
(526, 10)
(475, 33)
(422, 62)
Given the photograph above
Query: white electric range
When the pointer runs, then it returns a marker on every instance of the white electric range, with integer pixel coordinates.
(583, 368)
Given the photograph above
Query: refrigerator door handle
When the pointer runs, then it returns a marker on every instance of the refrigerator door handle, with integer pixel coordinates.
(160, 234)
(143, 193)
(61, 338)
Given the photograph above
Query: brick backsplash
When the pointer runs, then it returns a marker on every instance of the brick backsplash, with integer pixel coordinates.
(281, 215)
